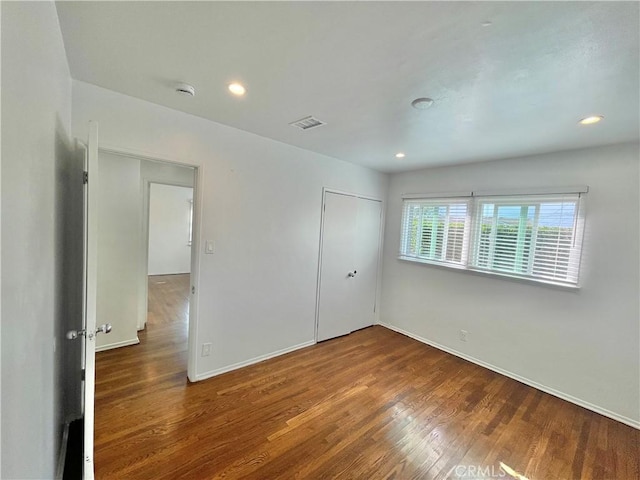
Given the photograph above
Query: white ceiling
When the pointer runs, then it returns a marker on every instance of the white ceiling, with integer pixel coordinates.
(517, 87)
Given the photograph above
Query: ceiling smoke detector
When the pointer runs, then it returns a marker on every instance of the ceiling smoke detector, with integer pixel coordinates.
(185, 89)
(422, 103)
(307, 122)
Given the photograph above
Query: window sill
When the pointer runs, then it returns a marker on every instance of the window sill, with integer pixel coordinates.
(496, 275)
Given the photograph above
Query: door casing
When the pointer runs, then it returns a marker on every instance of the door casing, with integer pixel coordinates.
(192, 357)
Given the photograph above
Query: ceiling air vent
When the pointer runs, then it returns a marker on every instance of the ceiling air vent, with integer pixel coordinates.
(307, 122)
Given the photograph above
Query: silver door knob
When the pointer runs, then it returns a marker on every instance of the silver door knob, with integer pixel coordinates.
(73, 334)
(106, 328)
(352, 274)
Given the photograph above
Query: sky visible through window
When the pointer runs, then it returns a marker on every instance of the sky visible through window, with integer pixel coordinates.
(551, 214)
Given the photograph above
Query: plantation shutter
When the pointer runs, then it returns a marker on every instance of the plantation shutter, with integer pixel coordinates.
(529, 236)
(532, 233)
(435, 230)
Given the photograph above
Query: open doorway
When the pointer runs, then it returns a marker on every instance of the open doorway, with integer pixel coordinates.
(125, 259)
(169, 240)
(150, 347)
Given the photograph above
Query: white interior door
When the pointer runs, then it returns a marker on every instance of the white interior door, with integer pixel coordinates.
(349, 264)
(90, 294)
(367, 254)
(338, 237)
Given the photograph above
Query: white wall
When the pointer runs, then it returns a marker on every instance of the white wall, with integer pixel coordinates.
(37, 163)
(581, 344)
(169, 219)
(168, 173)
(261, 204)
(119, 241)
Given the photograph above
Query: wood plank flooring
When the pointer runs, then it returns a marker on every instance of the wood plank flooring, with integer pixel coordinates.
(370, 405)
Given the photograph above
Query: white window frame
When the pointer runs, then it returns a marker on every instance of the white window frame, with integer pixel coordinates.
(473, 227)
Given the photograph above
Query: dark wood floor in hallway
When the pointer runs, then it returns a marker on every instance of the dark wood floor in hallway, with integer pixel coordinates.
(370, 405)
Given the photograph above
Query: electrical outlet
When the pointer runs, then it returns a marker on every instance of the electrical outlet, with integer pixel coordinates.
(206, 349)
(463, 335)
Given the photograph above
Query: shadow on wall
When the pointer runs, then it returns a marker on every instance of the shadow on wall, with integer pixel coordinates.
(68, 208)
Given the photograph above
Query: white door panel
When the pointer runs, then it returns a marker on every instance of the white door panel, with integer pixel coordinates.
(90, 294)
(349, 264)
(334, 309)
(366, 260)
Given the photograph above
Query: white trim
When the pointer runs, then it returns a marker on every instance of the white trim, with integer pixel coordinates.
(532, 191)
(409, 196)
(551, 391)
(62, 452)
(194, 277)
(577, 189)
(170, 183)
(251, 361)
(140, 154)
(143, 274)
(124, 343)
(348, 194)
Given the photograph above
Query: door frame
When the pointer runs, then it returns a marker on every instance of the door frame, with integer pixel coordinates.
(198, 195)
(326, 190)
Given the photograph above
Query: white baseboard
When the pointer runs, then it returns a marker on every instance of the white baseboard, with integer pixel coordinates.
(124, 343)
(246, 363)
(552, 391)
(62, 453)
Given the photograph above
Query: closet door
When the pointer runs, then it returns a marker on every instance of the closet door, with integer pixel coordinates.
(367, 252)
(338, 242)
(349, 264)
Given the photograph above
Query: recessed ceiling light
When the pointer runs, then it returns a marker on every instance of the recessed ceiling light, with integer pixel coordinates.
(185, 89)
(400, 155)
(591, 120)
(422, 103)
(486, 23)
(237, 89)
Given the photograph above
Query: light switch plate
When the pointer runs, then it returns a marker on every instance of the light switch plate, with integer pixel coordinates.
(208, 247)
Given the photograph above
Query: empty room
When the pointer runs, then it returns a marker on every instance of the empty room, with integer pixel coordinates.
(317, 240)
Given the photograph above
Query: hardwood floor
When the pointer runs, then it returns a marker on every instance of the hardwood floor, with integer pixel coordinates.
(370, 405)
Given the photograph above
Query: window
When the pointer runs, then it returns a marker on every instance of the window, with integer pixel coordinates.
(529, 236)
(435, 230)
